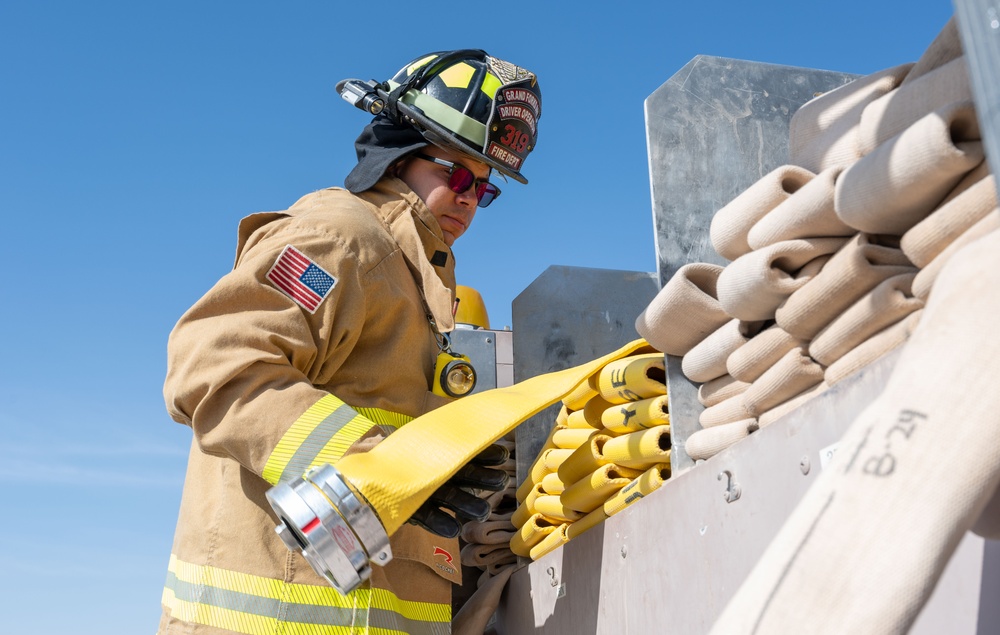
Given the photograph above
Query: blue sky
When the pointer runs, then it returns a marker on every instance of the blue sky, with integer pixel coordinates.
(134, 136)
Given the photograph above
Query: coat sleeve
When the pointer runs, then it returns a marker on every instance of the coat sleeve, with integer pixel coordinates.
(244, 360)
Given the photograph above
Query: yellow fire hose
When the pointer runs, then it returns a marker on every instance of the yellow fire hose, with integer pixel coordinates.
(552, 484)
(650, 481)
(571, 438)
(528, 504)
(580, 395)
(395, 477)
(578, 420)
(637, 415)
(530, 534)
(632, 378)
(589, 493)
(639, 449)
(584, 460)
(609, 448)
(340, 517)
(551, 506)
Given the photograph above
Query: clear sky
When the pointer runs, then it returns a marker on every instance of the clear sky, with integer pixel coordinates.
(134, 136)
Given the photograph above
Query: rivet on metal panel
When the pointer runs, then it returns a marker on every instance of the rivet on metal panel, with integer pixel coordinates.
(826, 454)
(804, 465)
(733, 491)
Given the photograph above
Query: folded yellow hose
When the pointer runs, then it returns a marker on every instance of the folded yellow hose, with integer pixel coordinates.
(579, 395)
(551, 484)
(561, 416)
(540, 468)
(592, 491)
(593, 411)
(550, 506)
(572, 438)
(525, 488)
(584, 460)
(578, 419)
(649, 482)
(543, 534)
(530, 534)
(639, 449)
(633, 378)
(521, 515)
(546, 463)
(554, 458)
(550, 542)
(636, 415)
(527, 507)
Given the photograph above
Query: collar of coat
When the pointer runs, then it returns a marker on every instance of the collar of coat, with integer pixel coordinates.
(421, 240)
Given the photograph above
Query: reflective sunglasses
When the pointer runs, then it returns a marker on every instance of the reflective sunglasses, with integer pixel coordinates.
(461, 178)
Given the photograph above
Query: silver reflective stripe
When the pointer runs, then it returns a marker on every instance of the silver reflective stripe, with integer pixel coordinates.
(301, 613)
(265, 607)
(310, 448)
(396, 622)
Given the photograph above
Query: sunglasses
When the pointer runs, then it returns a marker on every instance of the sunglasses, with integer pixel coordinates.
(461, 178)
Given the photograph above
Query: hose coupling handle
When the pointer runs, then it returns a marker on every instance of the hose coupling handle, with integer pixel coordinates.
(322, 516)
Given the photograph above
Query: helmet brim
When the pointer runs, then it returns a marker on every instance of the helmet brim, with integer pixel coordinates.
(440, 136)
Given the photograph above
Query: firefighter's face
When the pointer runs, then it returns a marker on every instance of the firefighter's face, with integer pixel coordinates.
(454, 211)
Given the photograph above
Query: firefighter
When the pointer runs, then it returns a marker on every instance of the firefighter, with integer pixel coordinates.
(322, 340)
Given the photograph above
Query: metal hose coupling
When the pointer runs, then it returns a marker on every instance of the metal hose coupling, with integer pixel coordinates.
(337, 532)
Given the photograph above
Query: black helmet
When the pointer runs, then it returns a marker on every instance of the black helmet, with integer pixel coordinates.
(463, 100)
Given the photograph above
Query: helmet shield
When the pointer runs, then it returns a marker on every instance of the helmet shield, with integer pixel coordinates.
(513, 124)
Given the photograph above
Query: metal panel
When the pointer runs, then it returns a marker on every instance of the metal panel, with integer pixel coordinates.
(712, 130)
(672, 562)
(979, 28)
(480, 346)
(491, 354)
(569, 316)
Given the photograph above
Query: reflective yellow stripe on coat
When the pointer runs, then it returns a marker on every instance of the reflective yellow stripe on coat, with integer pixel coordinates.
(255, 605)
(322, 434)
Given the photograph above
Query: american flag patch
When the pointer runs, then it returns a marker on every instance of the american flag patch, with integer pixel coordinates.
(301, 279)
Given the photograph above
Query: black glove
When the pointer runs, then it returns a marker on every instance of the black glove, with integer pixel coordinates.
(478, 474)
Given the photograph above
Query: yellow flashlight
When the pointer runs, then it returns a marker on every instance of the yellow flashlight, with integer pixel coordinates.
(454, 375)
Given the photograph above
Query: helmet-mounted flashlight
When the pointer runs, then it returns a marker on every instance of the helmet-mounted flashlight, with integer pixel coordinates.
(361, 94)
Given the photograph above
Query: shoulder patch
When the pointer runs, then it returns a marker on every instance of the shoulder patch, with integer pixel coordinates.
(301, 279)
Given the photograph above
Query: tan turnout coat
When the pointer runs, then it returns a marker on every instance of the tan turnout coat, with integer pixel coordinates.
(248, 361)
